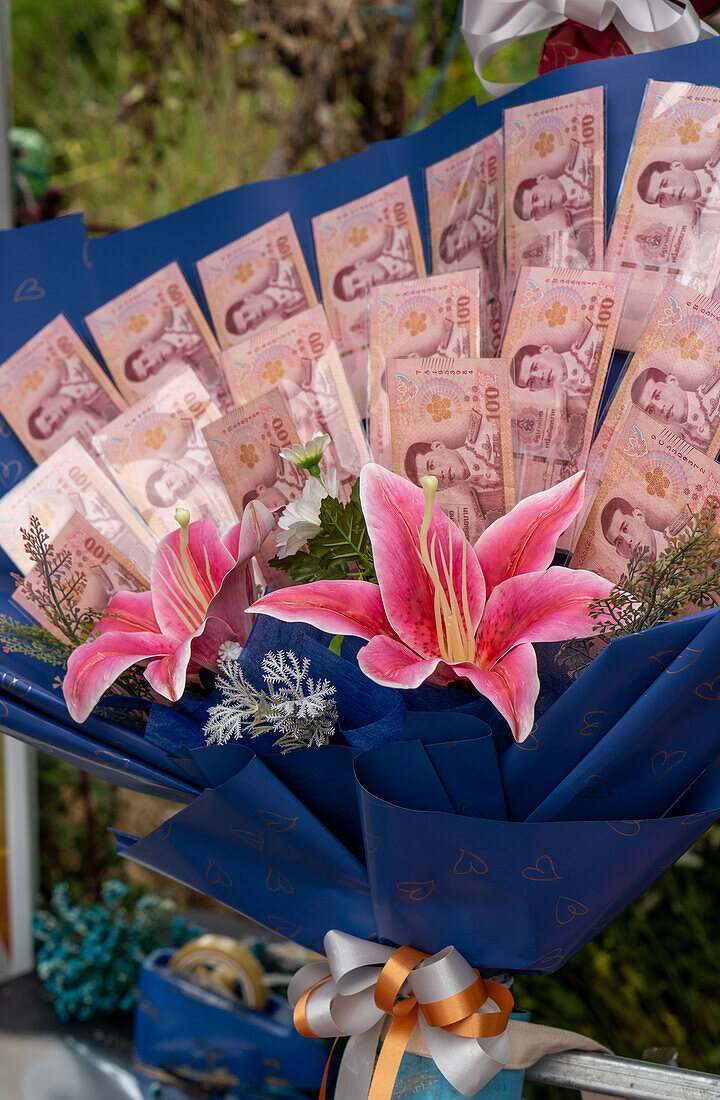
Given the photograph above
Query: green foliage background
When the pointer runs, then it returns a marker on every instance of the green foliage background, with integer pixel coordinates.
(153, 104)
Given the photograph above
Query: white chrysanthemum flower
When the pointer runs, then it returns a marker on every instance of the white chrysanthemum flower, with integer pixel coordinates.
(229, 651)
(309, 454)
(301, 518)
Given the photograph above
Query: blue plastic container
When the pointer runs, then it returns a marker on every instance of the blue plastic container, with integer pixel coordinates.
(202, 1036)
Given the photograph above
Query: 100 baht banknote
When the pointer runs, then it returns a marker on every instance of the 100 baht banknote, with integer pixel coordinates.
(420, 318)
(105, 568)
(467, 225)
(256, 281)
(674, 376)
(451, 419)
(654, 483)
(555, 183)
(157, 452)
(246, 446)
(667, 220)
(560, 335)
(371, 241)
(71, 481)
(154, 331)
(52, 389)
(300, 358)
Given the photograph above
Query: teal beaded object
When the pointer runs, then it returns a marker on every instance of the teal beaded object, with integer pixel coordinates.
(89, 956)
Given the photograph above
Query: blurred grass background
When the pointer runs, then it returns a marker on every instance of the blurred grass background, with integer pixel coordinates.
(153, 104)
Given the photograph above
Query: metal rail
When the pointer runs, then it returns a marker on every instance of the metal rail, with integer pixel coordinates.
(610, 1076)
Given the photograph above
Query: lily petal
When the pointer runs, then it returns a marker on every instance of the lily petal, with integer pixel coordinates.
(338, 607)
(96, 664)
(394, 509)
(245, 539)
(548, 606)
(524, 540)
(184, 581)
(130, 612)
(237, 590)
(512, 686)
(389, 662)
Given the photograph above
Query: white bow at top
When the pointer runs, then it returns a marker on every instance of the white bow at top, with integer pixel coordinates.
(463, 1019)
(646, 25)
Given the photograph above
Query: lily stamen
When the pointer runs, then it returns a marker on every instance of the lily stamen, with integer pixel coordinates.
(456, 641)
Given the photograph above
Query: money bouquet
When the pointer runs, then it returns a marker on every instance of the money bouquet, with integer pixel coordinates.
(339, 649)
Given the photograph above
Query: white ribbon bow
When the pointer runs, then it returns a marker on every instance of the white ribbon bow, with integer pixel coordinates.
(646, 25)
(338, 997)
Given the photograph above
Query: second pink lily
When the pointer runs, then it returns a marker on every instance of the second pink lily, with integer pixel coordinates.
(447, 610)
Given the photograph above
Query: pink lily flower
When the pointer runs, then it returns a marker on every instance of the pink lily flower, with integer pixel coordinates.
(447, 610)
(201, 584)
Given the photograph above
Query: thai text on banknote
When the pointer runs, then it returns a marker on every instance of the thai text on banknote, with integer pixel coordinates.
(152, 332)
(301, 359)
(106, 571)
(71, 481)
(246, 445)
(451, 419)
(560, 335)
(555, 183)
(674, 376)
(654, 483)
(466, 212)
(667, 220)
(256, 281)
(371, 241)
(157, 452)
(419, 318)
(52, 389)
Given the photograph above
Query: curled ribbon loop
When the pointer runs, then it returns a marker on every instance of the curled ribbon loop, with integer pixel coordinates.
(363, 986)
(488, 25)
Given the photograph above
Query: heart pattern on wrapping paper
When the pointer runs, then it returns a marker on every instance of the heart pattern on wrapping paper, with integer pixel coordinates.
(709, 690)
(163, 831)
(275, 882)
(662, 762)
(372, 843)
(593, 787)
(691, 819)
(543, 870)
(595, 722)
(470, 864)
(29, 291)
(10, 473)
(107, 757)
(256, 842)
(283, 927)
(276, 822)
(417, 891)
(547, 961)
(567, 909)
(217, 875)
(625, 828)
(530, 743)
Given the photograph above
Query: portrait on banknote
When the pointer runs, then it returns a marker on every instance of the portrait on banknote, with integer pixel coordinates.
(555, 182)
(667, 221)
(52, 390)
(256, 281)
(653, 484)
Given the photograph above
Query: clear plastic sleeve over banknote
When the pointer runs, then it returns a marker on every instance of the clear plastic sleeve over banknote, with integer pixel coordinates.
(555, 183)
(246, 446)
(157, 452)
(451, 419)
(667, 220)
(52, 390)
(71, 481)
(653, 485)
(560, 335)
(106, 571)
(371, 241)
(154, 331)
(466, 212)
(301, 359)
(674, 376)
(256, 281)
(421, 318)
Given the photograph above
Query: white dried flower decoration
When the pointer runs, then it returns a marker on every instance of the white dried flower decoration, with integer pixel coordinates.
(300, 710)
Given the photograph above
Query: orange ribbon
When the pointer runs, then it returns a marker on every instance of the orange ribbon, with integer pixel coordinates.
(457, 1014)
